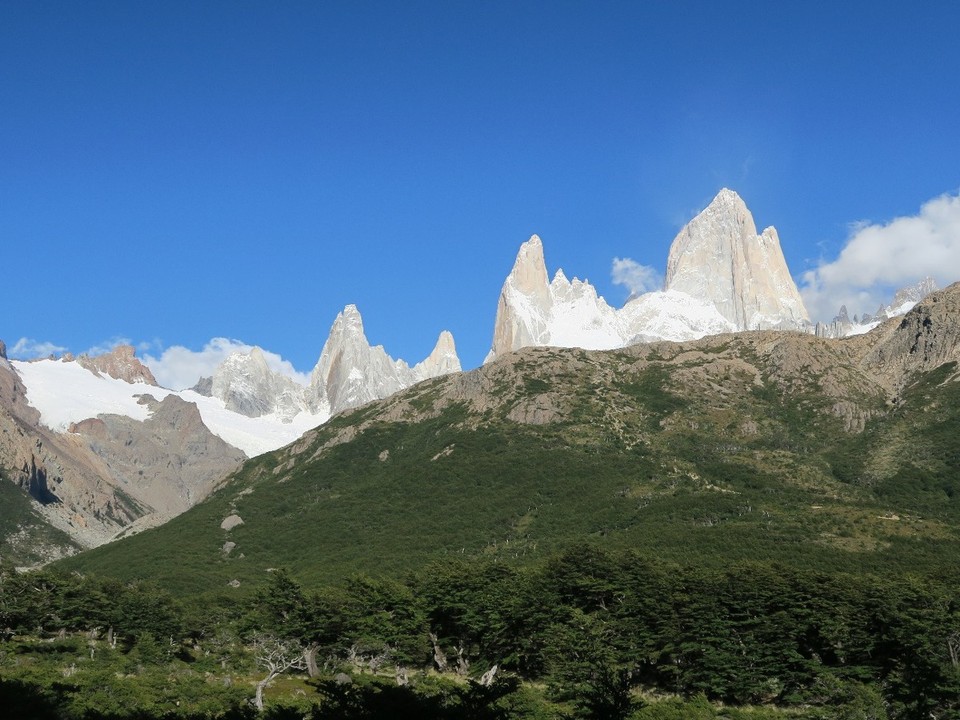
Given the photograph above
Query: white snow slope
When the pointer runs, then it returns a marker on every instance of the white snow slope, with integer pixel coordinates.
(65, 393)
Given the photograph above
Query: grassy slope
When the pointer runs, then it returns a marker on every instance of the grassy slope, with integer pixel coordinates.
(705, 472)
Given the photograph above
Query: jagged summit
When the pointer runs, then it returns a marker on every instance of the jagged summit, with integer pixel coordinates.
(349, 372)
(442, 360)
(719, 258)
(247, 385)
(721, 277)
(904, 299)
(534, 311)
(907, 297)
(529, 273)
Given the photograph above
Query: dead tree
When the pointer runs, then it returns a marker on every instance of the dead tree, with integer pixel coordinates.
(486, 680)
(276, 656)
(439, 656)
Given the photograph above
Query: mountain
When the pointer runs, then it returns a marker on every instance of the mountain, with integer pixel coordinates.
(903, 300)
(99, 449)
(535, 312)
(767, 445)
(248, 386)
(349, 372)
(721, 277)
(85, 477)
(719, 258)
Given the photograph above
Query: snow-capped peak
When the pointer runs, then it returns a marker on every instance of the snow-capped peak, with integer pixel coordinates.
(718, 258)
(721, 277)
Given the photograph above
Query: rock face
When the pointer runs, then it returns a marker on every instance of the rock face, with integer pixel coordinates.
(927, 336)
(442, 360)
(721, 277)
(167, 462)
(120, 363)
(349, 372)
(248, 386)
(719, 258)
(108, 471)
(906, 297)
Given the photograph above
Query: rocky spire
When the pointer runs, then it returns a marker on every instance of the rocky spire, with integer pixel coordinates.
(442, 361)
(719, 258)
(351, 372)
(524, 304)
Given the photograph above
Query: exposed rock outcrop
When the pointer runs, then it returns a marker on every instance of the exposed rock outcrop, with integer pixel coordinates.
(926, 337)
(719, 258)
(168, 462)
(721, 277)
(111, 471)
(120, 363)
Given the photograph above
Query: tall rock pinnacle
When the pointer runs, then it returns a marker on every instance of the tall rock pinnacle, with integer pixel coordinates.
(719, 258)
(442, 361)
(351, 372)
(525, 303)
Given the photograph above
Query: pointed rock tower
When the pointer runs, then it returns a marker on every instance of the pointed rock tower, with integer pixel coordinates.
(351, 372)
(532, 311)
(718, 258)
(442, 361)
(525, 303)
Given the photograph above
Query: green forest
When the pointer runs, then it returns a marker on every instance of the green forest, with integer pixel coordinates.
(588, 634)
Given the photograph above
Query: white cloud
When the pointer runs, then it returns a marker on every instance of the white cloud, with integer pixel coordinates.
(106, 346)
(878, 259)
(28, 349)
(179, 367)
(637, 278)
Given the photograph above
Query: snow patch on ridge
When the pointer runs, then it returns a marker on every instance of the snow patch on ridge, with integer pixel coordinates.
(66, 393)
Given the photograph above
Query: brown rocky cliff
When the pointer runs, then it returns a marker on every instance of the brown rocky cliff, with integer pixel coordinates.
(925, 338)
(108, 472)
(120, 363)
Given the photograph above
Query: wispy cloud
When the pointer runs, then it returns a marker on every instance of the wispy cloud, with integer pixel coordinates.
(179, 367)
(28, 349)
(878, 258)
(637, 278)
(107, 345)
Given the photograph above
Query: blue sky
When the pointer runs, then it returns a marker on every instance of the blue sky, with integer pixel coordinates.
(174, 172)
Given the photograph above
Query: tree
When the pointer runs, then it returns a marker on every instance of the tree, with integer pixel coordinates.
(276, 656)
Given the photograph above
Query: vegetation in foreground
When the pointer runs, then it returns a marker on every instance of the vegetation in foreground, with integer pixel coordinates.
(589, 634)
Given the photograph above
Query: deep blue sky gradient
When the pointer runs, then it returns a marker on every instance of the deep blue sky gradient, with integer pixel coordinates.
(175, 171)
